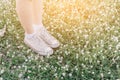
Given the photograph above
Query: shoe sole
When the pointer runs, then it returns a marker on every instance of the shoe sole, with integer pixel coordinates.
(51, 45)
(54, 46)
(35, 49)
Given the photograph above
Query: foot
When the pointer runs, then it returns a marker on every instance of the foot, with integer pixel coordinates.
(38, 45)
(47, 37)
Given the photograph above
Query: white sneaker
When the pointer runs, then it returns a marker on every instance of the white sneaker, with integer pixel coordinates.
(38, 45)
(48, 38)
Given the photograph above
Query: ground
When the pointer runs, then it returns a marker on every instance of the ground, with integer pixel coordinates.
(89, 33)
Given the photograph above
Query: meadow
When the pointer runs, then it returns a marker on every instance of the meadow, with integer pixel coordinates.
(89, 32)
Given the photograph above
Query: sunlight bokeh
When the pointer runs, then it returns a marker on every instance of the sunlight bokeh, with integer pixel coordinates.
(89, 32)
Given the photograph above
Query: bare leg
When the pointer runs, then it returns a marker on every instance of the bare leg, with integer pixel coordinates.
(44, 34)
(24, 11)
(37, 11)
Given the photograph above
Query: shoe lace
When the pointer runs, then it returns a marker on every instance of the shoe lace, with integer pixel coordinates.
(37, 41)
(44, 33)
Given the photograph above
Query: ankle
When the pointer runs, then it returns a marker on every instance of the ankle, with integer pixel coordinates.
(29, 30)
(29, 35)
(37, 26)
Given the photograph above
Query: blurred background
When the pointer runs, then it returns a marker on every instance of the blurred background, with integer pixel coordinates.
(89, 32)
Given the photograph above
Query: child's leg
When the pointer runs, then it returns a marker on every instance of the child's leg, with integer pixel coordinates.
(44, 34)
(24, 11)
(25, 14)
(37, 11)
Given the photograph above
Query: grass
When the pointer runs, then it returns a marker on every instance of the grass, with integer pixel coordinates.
(89, 33)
